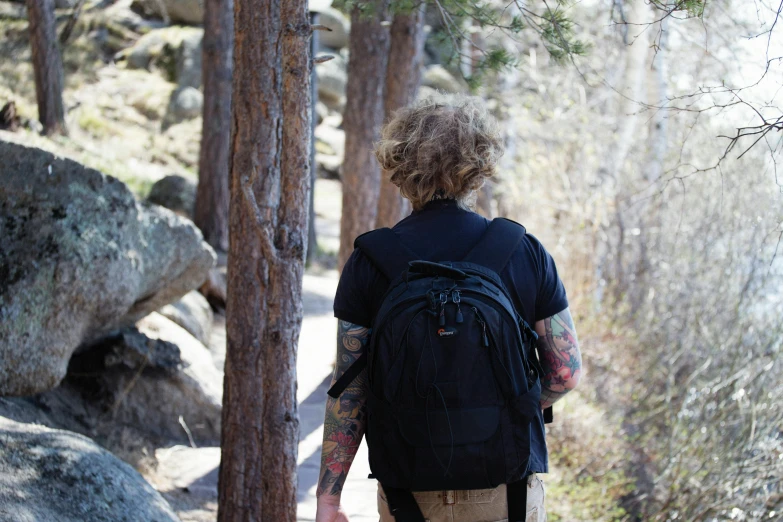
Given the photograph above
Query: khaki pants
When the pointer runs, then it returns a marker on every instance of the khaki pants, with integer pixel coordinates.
(477, 505)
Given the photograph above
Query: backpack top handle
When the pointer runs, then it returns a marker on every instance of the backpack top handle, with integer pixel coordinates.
(436, 269)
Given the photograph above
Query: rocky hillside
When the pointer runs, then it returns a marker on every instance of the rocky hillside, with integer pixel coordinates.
(101, 333)
(132, 87)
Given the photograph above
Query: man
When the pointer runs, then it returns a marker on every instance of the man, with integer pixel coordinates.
(439, 152)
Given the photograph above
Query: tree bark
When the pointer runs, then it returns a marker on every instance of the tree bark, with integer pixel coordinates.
(269, 182)
(47, 66)
(403, 77)
(312, 236)
(212, 197)
(363, 116)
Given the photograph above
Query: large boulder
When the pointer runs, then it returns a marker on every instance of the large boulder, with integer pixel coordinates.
(340, 27)
(176, 193)
(155, 377)
(328, 166)
(332, 81)
(329, 140)
(186, 103)
(188, 65)
(170, 405)
(52, 475)
(174, 52)
(192, 313)
(80, 258)
(437, 77)
(189, 12)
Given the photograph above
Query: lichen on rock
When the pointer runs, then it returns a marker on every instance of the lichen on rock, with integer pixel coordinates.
(80, 258)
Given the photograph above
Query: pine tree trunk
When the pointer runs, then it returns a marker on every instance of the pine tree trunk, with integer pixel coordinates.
(312, 236)
(269, 181)
(403, 77)
(47, 66)
(211, 212)
(363, 116)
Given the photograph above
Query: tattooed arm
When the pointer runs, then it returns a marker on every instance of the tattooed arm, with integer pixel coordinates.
(558, 351)
(344, 421)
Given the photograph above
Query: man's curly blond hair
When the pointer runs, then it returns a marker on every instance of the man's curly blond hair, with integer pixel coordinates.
(446, 143)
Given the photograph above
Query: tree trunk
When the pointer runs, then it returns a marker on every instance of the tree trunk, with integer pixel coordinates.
(629, 71)
(312, 237)
(47, 66)
(645, 215)
(269, 182)
(211, 212)
(363, 117)
(403, 77)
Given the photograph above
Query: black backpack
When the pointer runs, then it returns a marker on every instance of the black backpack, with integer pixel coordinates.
(453, 377)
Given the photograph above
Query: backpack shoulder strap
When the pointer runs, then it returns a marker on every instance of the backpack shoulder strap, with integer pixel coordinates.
(386, 251)
(497, 245)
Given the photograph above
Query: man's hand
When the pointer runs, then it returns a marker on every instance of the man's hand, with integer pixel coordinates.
(330, 511)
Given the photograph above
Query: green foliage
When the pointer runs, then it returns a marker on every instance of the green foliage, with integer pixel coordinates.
(692, 8)
(557, 31)
(493, 60)
(552, 26)
(365, 7)
(590, 498)
(462, 19)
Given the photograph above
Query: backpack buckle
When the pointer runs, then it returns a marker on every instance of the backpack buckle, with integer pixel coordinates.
(529, 335)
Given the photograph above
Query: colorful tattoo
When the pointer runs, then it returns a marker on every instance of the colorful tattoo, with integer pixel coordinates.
(344, 421)
(558, 350)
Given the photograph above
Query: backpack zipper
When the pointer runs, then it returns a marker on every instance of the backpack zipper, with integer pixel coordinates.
(483, 326)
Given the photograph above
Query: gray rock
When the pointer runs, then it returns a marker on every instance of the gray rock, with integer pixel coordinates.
(157, 401)
(80, 258)
(174, 52)
(75, 406)
(330, 140)
(57, 476)
(153, 50)
(188, 70)
(321, 111)
(186, 103)
(340, 27)
(332, 79)
(192, 313)
(132, 350)
(11, 11)
(176, 193)
(188, 12)
(129, 390)
(328, 167)
(437, 77)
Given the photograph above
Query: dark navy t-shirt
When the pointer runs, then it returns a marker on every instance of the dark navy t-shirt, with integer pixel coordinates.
(442, 231)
